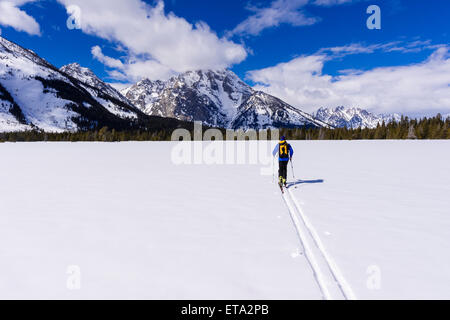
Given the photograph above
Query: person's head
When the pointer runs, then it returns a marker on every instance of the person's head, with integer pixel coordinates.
(283, 138)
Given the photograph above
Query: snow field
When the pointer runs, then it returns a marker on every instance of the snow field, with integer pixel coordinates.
(365, 220)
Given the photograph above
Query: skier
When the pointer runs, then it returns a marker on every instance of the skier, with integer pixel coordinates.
(285, 153)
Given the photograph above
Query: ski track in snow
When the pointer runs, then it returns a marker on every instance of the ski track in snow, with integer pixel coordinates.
(330, 280)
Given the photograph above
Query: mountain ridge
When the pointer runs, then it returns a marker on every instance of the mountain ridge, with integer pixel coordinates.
(35, 95)
(217, 98)
(353, 118)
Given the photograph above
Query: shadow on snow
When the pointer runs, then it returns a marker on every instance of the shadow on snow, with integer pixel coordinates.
(299, 182)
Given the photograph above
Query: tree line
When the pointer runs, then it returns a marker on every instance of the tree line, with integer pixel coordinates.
(426, 128)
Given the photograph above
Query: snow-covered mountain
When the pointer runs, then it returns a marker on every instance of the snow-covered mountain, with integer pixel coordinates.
(87, 77)
(207, 96)
(107, 96)
(217, 98)
(36, 95)
(262, 110)
(341, 117)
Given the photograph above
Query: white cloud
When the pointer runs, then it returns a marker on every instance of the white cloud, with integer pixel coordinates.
(108, 61)
(422, 88)
(279, 12)
(156, 43)
(394, 46)
(12, 16)
(134, 69)
(120, 86)
(328, 3)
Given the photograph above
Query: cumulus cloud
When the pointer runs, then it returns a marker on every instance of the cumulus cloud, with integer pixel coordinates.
(134, 69)
(12, 16)
(108, 61)
(422, 88)
(279, 12)
(157, 43)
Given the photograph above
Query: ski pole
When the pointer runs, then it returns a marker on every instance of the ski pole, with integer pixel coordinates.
(273, 170)
(292, 166)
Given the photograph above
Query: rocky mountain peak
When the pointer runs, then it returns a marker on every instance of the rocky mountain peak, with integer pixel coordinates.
(341, 117)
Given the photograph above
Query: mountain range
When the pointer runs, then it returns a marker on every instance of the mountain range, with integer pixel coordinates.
(34, 94)
(218, 98)
(353, 118)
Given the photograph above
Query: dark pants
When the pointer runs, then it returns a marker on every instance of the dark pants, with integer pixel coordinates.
(282, 171)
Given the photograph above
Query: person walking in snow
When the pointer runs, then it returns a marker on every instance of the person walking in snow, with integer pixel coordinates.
(285, 153)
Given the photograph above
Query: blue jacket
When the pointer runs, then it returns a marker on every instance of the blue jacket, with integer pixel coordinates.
(277, 148)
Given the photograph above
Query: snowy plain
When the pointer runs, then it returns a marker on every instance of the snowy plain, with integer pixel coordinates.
(372, 216)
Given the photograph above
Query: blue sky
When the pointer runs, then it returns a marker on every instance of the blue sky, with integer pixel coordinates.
(262, 41)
